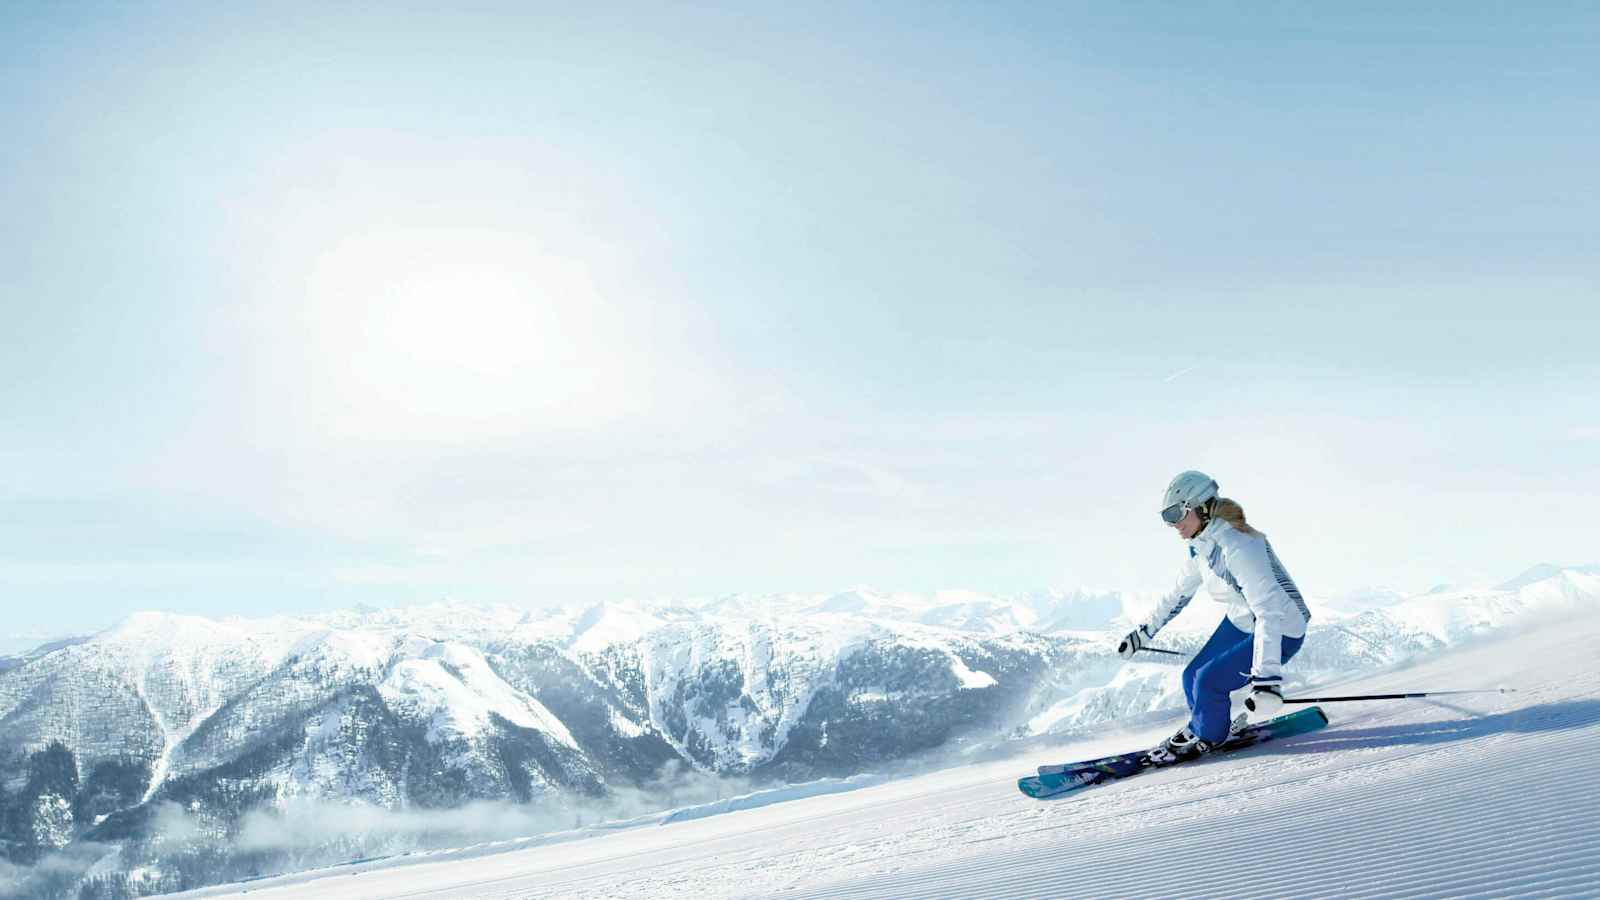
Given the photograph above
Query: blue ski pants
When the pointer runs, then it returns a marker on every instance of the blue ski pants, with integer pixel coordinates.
(1221, 667)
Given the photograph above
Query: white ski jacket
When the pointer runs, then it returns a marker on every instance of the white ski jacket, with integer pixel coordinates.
(1242, 571)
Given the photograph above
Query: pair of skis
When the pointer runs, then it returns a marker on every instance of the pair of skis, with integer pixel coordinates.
(1056, 780)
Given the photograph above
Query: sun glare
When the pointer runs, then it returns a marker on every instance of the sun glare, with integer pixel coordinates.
(431, 333)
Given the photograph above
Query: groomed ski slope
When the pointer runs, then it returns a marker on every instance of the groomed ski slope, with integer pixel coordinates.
(1475, 796)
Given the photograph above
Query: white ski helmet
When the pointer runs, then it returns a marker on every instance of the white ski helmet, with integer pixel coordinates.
(1187, 491)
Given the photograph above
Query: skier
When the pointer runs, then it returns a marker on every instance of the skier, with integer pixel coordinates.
(1263, 627)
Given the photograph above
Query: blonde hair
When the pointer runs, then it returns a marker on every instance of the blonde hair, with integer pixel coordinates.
(1231, 512)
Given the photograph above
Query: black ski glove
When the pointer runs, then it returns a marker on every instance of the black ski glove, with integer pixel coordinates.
(1264, 699)
(1133, 642)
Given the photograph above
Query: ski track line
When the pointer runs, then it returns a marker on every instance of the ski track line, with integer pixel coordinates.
(576, 879)
(1316, 777)
(1263, 755)
(857, 847)
(1535, 844)
(1392, 801)
(1280, 820)
(807, 823)
(986, 789)
(1221, 779)
(693, 872)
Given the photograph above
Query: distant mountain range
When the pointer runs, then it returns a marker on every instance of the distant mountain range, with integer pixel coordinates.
(436, 706)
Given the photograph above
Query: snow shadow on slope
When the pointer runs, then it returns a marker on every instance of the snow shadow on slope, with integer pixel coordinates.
(1528, 720)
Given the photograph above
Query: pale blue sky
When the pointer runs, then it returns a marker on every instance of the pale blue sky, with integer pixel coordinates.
(312, 306)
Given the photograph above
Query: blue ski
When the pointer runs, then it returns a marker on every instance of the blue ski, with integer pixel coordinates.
(1053, 781)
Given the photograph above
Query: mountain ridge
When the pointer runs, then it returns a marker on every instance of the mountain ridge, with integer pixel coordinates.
(443, 704)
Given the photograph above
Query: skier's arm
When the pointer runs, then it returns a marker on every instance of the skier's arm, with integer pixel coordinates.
(1176, 599)
(1273, 598)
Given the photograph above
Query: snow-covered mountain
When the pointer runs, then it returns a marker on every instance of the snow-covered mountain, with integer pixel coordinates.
(439, 706)
(1482, 795)
(435, 706)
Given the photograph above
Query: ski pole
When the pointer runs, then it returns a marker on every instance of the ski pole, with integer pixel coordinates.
(1159, 650)
(1397, 696)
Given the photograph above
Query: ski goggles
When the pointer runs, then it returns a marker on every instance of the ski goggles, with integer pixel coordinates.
(1173, 514)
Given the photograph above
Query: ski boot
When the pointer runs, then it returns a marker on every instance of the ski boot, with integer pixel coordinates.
(1181, 746)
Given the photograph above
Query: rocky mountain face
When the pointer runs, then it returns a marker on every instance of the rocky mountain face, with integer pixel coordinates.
(431, 708)
(452, 706)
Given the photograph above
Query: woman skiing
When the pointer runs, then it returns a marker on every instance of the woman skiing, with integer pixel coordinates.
(1263, 628)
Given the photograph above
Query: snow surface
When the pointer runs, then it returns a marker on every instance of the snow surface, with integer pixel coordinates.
(970, 679)
(1491, 795)
(458, 691)
(611, 623)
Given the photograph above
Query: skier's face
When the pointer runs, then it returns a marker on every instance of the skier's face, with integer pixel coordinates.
(1189, 525)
